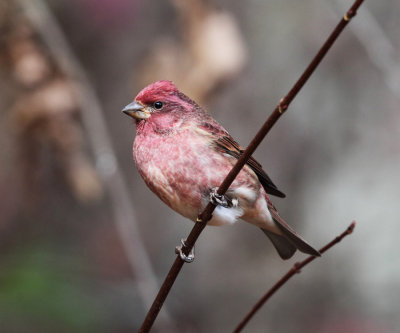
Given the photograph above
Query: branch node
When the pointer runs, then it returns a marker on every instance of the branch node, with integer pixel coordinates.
(349, 15)
(282, 107)
(297, 267)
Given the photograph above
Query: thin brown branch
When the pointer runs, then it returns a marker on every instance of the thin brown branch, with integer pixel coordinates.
(294, 270)
(206, 214)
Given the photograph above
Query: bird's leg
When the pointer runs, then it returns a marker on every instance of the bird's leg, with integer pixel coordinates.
(186, 258)
(222, 200)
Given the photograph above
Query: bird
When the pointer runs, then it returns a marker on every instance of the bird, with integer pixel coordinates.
(183, 154)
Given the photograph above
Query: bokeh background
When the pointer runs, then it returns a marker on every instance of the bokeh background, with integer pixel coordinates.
(84, 244)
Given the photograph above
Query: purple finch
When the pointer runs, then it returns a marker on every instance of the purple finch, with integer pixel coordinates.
(183, 155)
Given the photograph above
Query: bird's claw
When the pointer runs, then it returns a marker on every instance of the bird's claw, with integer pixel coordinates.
(186, 258)
(222, 200)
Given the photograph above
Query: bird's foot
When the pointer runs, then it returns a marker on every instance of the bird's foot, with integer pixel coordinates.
(186, 258)
(222, 200)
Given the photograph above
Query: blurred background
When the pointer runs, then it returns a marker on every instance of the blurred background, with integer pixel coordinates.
(84, 245)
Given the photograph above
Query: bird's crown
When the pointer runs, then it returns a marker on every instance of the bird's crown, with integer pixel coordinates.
(156, 90)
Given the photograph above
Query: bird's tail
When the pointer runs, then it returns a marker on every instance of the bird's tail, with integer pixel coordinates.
(285, 248)
(287, 243)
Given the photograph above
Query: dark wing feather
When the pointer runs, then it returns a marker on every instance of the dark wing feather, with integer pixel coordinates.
(284, 247)
(228, 145)
(290, 234)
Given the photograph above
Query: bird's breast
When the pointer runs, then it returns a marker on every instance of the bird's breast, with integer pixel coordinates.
(175, 167)
(182, 168)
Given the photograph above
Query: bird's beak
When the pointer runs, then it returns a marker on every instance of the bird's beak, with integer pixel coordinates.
(136, 111)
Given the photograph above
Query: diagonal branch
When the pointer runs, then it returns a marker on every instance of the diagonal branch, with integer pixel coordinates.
(294, 270)
(206, 214)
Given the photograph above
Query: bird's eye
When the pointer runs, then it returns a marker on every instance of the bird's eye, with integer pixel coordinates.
(158, 105)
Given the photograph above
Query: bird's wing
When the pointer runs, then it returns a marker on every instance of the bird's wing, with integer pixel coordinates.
(225, 143)
(229, 146)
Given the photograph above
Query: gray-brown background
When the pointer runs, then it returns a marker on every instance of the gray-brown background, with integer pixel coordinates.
(336, 154)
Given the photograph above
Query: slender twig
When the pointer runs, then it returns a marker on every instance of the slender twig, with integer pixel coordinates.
(294, 270)
(99, 138)
(206, 214)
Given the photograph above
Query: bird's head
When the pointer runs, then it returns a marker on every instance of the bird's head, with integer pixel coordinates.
(158, 99)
